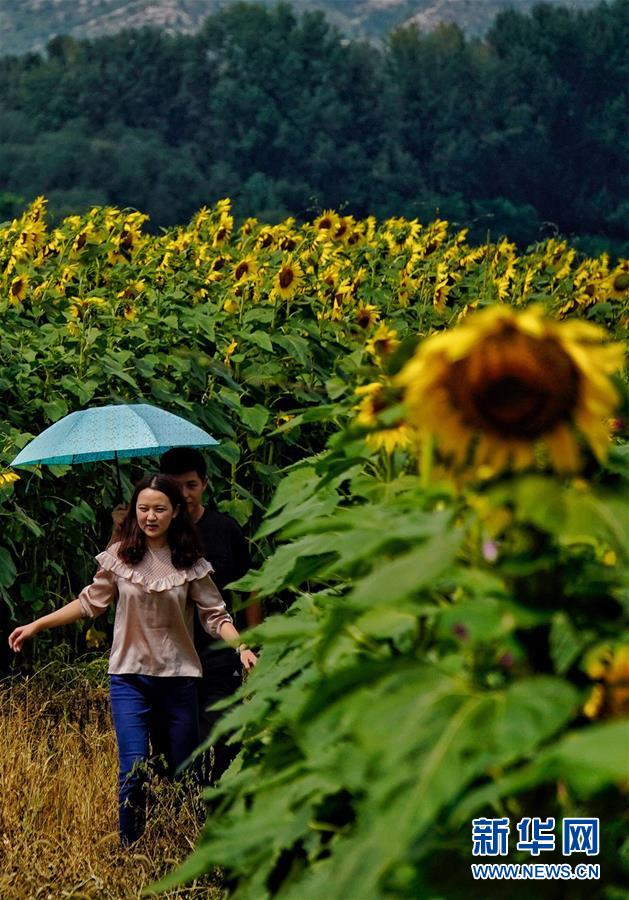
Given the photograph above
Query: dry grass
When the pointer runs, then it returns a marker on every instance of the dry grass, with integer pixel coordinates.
(58, 808)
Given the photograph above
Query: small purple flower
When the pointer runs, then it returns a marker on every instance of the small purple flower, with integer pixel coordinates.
(506, 660)
(490, 551)
(460, 631)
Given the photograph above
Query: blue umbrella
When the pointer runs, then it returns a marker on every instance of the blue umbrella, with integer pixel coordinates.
(112, 432)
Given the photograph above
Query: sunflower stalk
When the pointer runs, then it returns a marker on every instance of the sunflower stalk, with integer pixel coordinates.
(426, 460)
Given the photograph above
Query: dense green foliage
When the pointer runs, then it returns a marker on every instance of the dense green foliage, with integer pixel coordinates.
(444, 644)
(285, 116)
(417, 682)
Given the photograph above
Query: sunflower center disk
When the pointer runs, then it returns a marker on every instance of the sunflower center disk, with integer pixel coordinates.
(286, 278)
(515, 385)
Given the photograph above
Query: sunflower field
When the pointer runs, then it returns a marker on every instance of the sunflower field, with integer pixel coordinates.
(426, 442)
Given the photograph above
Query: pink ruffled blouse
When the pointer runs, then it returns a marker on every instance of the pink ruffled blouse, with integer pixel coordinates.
(153, 628)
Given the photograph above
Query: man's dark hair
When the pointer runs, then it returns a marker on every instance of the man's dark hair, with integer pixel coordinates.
(183, 459)
(181, 536)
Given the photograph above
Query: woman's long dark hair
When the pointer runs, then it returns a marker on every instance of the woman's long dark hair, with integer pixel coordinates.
(181, 536)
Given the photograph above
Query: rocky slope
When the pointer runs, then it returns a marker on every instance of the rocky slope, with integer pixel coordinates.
(29, 24)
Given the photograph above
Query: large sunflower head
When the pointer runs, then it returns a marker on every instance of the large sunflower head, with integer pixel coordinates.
(18, 289)
(245, 269)
(326, 224)
(288, 279)
(494, 387)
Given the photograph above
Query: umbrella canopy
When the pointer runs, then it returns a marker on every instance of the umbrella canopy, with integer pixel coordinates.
(111, 432)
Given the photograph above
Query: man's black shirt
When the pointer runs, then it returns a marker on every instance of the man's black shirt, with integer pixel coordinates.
(225, 546)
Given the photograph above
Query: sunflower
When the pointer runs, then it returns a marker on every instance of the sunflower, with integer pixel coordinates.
(383, 342)
(249, 225)
(229, 352)
(8, 478)
(618, 282)
(223, 231)
(473, 257)
(503, 381)
(68, 273)
(245, 269)
(432, 238)
(87, 235)
(201, 218)
(328, 280)
(400, 234)
(344, 228)
(217, 269)
(18, 289)
(130, 235)
(557, 259)
(265, 239)
(367, 315)
(375, 399)
(326, 224)
(132, 289)
(445, 280)
(287, 280)
(609, 666)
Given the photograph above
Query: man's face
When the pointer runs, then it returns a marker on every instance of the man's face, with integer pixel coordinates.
(192, 487)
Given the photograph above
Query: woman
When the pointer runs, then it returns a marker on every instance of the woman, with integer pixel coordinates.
(158, 575)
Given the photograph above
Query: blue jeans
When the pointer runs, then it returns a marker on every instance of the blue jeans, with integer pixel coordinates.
(137, 701)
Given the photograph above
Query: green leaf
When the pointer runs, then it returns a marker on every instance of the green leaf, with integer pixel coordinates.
(528, 713)
(60, 470)
(484, 619)
(281, 629)
(238, 508)
(572, 515)
(83, 513)
(336, 387)
(618, 460)
(259, 338)
(300, 482)
(254, 417)
(26, 520)
(55, 410)
(8, 572)
(32, 595)
(297, 347)
(588, 761)
(566, 642)
(259, 314)
(230, 398)
(228, 450)
(409, 573)
(446, 737)
(83, 390)
(289, 565)
(321, 504)
(602, 515)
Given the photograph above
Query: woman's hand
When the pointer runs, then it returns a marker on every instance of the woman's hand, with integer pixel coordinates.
(21, 634)
(247, 658)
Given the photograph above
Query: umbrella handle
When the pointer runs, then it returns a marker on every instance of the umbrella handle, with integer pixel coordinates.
(120, 493)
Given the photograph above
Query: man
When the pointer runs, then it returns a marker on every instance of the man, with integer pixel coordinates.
(225, 546)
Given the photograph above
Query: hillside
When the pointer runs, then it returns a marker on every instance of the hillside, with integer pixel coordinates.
(29, 24)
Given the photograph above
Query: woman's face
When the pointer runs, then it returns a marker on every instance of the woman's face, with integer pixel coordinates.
(154, 513)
